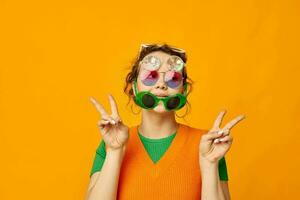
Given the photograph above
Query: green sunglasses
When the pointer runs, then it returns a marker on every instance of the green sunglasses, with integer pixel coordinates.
(148, 100)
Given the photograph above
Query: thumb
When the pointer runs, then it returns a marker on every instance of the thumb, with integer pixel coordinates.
(212, 135)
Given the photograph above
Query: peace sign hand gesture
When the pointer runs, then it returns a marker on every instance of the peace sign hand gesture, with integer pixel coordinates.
(114, 131)
(215, 144)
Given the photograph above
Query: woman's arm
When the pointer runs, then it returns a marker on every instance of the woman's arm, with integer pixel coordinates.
(211, 186)
(213, 146)
(115, 134)
(104, 184)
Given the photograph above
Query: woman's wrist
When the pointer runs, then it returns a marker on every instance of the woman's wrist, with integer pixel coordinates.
(117, 151)
(207, 163)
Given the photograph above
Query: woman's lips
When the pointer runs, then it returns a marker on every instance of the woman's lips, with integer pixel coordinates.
(161, 95)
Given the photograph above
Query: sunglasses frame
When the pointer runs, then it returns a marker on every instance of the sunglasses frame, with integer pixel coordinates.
(163, 78)
(160, 63)
(159, 45)
(139, 96)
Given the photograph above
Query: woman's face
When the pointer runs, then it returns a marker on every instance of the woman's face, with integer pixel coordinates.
(160, 88)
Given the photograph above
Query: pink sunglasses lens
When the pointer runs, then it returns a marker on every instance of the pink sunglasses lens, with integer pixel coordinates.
(149, 78)
(173, 79)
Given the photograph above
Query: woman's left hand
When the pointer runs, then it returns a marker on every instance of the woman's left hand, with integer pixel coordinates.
(216, 142)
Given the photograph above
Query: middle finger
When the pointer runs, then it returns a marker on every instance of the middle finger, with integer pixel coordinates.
(114, 107)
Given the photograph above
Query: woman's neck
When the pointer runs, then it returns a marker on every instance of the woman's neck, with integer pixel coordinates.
(157, 125)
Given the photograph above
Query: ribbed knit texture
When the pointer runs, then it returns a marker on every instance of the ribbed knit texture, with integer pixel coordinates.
(155, 149)
(175, 176)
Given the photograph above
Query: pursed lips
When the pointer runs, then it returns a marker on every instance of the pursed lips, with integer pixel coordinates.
(161, 95)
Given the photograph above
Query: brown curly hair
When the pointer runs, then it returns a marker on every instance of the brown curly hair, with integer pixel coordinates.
(132, 75)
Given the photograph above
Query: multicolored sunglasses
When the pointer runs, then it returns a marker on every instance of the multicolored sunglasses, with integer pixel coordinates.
(149, 73)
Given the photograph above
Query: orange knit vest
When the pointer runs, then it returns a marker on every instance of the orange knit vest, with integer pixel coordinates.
(175, 176)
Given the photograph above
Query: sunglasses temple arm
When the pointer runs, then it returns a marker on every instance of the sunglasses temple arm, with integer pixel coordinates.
(185, 89)
(135, 87)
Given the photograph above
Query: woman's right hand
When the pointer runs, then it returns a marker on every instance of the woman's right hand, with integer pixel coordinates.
(114, 131)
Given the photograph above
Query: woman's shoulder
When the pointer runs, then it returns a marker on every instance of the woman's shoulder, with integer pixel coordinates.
(188, 126)
(133, 127)
(194, 129)
(184, 127)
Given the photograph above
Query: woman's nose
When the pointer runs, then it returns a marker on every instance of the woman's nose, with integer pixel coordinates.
(161, 85)
(161, 82)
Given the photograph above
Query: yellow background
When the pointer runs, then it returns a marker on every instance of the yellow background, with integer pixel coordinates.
(54, 55)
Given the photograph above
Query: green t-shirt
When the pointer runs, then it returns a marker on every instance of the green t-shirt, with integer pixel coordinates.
(155, 149)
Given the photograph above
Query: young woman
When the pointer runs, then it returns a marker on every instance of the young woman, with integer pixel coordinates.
(160, 158)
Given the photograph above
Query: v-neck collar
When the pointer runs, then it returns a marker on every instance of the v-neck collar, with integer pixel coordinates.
(169, 156)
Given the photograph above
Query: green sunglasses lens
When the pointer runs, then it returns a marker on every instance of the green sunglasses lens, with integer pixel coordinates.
(148, 100)
(173, 102)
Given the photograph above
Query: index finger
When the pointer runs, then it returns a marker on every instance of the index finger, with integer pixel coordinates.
(233, 122)
(99, 107)
(218, 121)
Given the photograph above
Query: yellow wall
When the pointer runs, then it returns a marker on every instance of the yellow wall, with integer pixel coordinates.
(54, 55)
